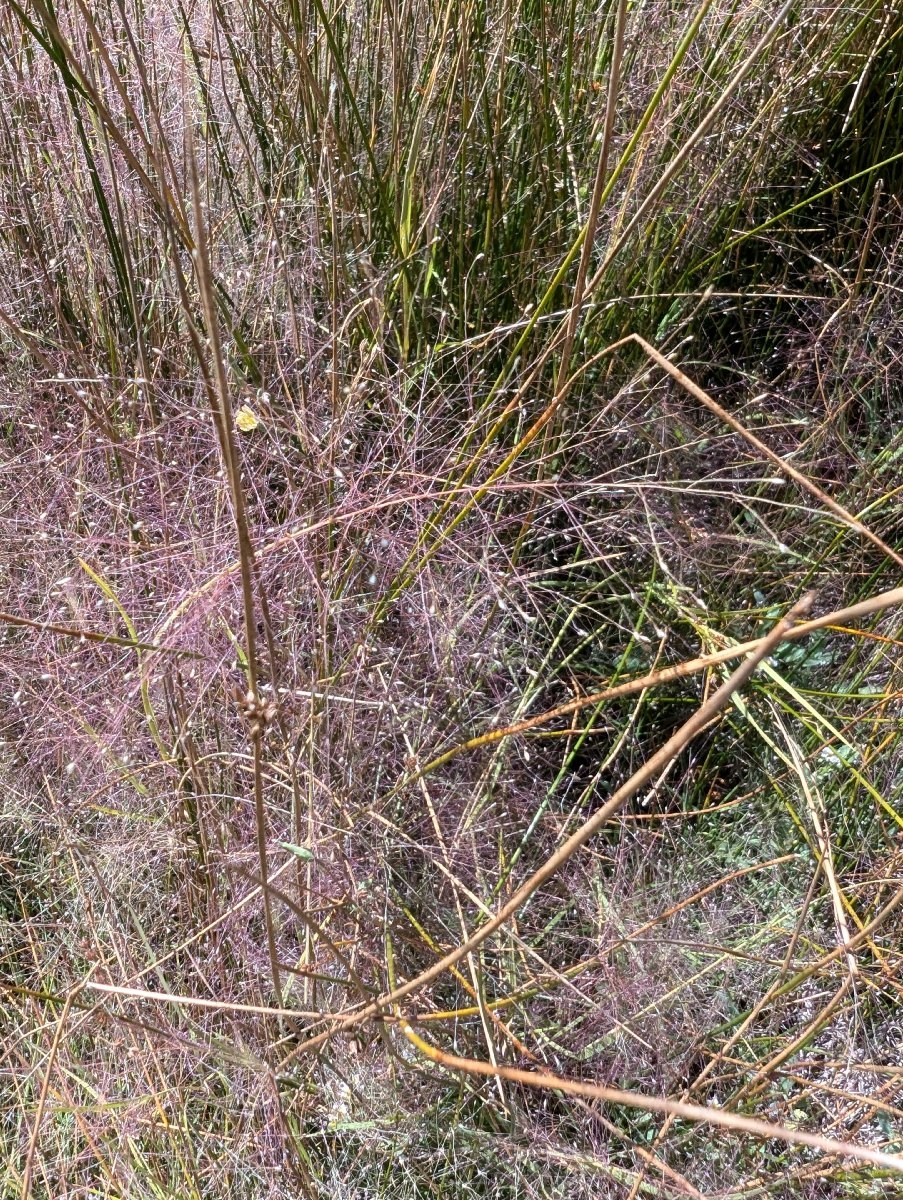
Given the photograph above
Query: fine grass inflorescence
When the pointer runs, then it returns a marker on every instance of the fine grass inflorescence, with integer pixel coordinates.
(411, 415)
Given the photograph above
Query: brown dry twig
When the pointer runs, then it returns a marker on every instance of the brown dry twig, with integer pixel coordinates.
(692, 666)
(719, 1117)
(650, 770)
(781, 463)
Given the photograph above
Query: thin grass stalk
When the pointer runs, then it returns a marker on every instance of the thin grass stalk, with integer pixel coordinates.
(589, 237)
(222, 418)
(681, 158)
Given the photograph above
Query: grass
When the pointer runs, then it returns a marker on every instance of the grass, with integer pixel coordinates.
(385, 389)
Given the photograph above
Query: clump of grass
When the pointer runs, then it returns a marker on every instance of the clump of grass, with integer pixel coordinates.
(332, 523)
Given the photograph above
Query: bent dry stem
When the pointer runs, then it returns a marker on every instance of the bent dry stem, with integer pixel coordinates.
(650, 770)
